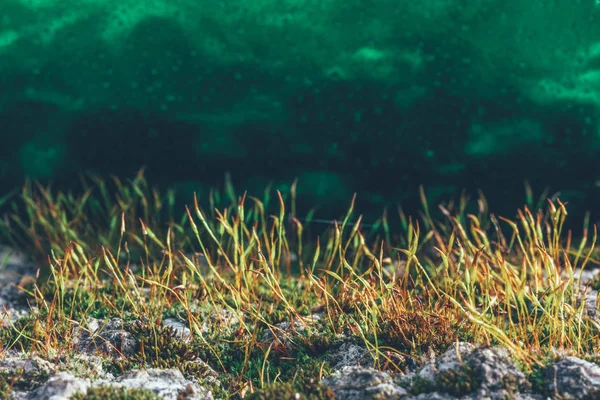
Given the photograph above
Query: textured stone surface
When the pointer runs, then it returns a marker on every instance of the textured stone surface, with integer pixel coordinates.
(181, 330)
(60, 386)
(490, 372)
(166, 383)
(109, 338)
(348, 355)
(356, 383)
(574, 378)
(41, 379)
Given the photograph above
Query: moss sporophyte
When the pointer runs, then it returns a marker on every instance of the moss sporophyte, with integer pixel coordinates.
(233, 272)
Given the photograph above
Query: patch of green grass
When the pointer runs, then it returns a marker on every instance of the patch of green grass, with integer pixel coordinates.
(458, 382)
(20, 380)
(159, 347)
(300, 380)
(116, 393)
(117, 250)
(35, 332)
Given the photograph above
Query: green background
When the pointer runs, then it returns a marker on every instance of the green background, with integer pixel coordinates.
(368, 96)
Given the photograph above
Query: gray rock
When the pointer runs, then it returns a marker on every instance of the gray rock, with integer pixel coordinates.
(61, 386)
(109, 339)
(31, 365)
(480, 373)
(356, 383)
(349, 354)
(432, 396)
(166, 383)
(574, 378)
(181, 330)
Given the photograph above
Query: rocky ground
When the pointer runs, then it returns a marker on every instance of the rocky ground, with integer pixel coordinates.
(464, 371)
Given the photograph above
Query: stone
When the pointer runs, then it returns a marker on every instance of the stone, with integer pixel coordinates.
(61, 386)
(166, 383)
(574, 378)
(356, 383)
(464, 370)
(349, 354)
(181, 330)
(110, 339)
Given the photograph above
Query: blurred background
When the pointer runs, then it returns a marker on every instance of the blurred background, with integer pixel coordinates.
(369, 96)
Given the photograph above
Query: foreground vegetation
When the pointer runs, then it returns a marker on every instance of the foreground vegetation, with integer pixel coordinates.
(247, 264)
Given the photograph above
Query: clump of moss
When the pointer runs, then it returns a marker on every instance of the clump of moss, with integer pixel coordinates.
(5, 388)
(20, 380)
(300, 380)
(288, 391)
(292, 288)
(458, 382)
(159, 347)
(116, 393)
(316, 344)
(417, 332)
(420, 385)
(81, 303)
(34, 332)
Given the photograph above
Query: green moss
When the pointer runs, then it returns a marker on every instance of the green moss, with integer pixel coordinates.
(159, 347)
(287, 391)
(104, 302)
(420, 385)
(538, 380)
(458, 382)
(4, 388)
(116, 393)
(20, 380)
(274, 310)
(31, 332)
(298, 381)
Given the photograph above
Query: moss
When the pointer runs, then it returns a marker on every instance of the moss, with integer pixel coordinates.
(287, 391)
(4, 388)
(159, 347)
(274, 310)
(419, 331)
(420, 385)
(317, 344)
(298, 381)
(116, 393)
(104, 302)
(458, 382)
(34, 331)
(539, 383)
(20, 380)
